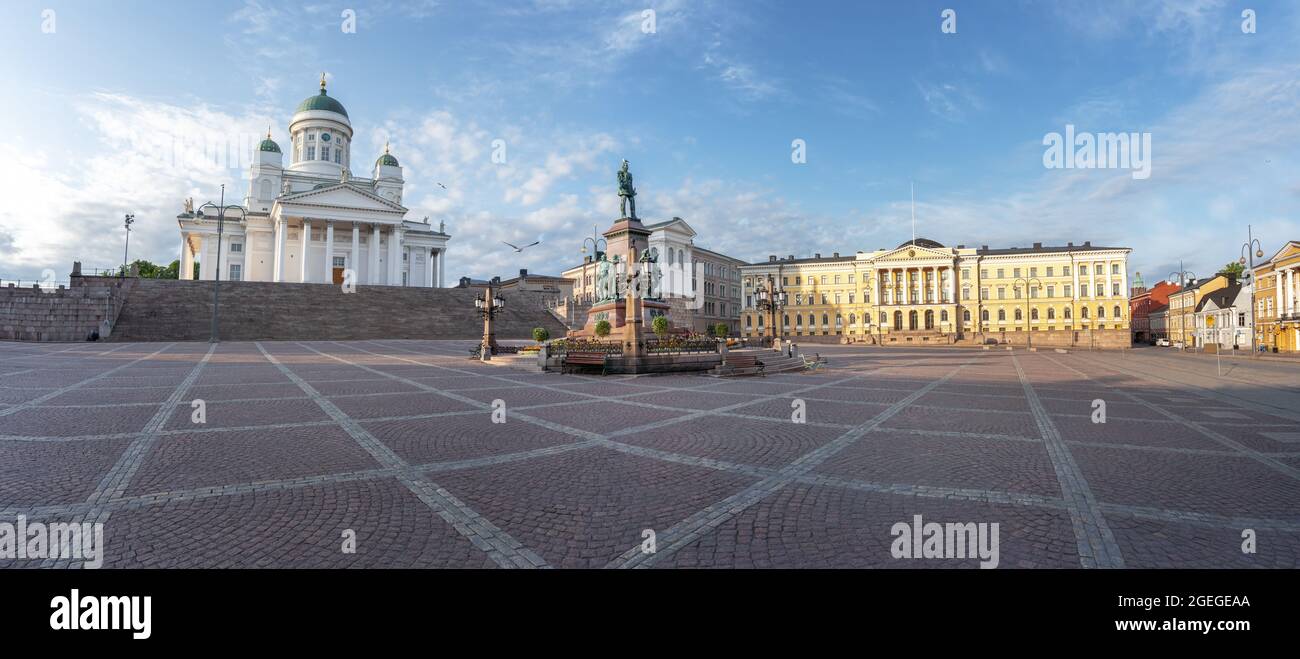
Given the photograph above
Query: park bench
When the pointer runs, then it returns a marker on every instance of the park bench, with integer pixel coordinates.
(576, 359)
(744, 362)
(815, 363)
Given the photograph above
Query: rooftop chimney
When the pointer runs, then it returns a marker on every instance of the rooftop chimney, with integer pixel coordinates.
(984, 247)
(1087, 243)
(523, 273)
(817, 255)
(771, 258)
(836, 255)
(791, 257)
(1038, 245)
(1069, 244)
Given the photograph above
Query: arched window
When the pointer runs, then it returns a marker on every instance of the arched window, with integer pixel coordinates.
(1101, 312)
(670, 257)
(853, 320)
(1019, 316)
(1033, 313)
(825, 320)
(749, 321)
(1117, 314)
(1002, 314)
(965, 315)
(839, 321)
(1051, 313)
(984, 315)
(943, 315)
(1083, 312)
(1067, 313)
(798, 320)
(785, 320)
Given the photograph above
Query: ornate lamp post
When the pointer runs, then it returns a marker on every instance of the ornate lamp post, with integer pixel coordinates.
(222, 209)
(1037, 284)
(771, 300)
(1249, 250)
(1182, 276)
(598, 247)
(488, 306)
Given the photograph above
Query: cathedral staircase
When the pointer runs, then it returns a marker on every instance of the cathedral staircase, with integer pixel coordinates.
(181, 310)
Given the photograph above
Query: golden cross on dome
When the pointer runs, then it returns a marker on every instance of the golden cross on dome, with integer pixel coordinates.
(322, 81)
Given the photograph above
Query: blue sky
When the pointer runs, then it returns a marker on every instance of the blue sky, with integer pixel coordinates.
(705, 108)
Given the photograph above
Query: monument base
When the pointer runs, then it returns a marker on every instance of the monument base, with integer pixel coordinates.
(615, 311)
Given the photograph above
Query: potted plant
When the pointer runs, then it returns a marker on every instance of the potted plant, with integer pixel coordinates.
(602, 328)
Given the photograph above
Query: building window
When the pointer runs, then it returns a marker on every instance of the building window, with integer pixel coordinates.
(965, 315)
(1051, 313)
(1067, 313)
(338, 155)
(340, 262)
(1116, 313)
(984, 273)
(1068, 290)
(236, 248)
(1049, 271)
(1101, 312)
(1001, 273)
(1051, 290)
(1019, 316)
(1114, 268)
(1114, 289)
(236, 271)
(1033, 313)
(311, 153)
(1002, 314)
(984, 315)
(325, 153)
(1002, 293)
(984, 293)
(965, 293)
(1015, 272)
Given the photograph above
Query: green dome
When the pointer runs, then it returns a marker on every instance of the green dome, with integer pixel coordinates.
(321, 101)
(268, 145)
(387, 159)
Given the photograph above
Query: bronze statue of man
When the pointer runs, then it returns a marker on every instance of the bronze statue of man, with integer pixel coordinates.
(626, 193)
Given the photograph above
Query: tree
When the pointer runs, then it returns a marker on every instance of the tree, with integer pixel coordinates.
(150, 270)
(721, 330)
(1233, 269)
(602, 328)
(540, 334)
(660, 326)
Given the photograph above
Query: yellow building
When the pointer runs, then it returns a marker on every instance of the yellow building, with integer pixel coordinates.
(1277, 300)
(1182, 308)
(923, 292)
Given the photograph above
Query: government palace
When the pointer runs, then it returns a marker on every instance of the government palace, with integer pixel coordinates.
(924, 292)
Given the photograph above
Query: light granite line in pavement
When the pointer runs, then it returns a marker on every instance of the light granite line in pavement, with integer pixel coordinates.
(710, 518)
(1241, 449)
(503, 549)
(1097, 545)
(63, 390)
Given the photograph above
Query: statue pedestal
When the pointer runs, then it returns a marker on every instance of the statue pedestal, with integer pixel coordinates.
(615, 311)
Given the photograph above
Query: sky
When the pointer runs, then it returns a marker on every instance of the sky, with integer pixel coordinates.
(114, 108)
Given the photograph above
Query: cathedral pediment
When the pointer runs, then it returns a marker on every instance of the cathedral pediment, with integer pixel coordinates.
(341, 195)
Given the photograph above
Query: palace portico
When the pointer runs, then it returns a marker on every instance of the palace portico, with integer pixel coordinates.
(313, 222)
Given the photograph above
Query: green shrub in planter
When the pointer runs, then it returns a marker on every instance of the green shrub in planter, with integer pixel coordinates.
(540, 334)
(602, 328)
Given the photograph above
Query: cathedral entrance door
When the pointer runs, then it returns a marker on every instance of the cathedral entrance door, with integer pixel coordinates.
(338, 266)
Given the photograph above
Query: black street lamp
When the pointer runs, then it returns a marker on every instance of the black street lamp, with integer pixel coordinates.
(222, 209)
(1182, 276)
(130, 219)
(488, 307)
(1249, 250)
(1037, 284)
(772, 300)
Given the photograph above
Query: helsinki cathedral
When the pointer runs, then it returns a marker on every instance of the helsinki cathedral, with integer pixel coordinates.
(312, 221)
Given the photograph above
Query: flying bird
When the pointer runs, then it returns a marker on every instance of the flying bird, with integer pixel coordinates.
(441, 185)
(520, 249)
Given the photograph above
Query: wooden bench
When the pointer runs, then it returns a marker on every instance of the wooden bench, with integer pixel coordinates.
(738, 362)
(574, 359)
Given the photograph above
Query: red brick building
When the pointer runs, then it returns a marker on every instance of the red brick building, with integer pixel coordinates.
(1142, 302)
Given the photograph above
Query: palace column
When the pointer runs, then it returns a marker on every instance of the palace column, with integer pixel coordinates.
(354, 259)
(428, 268)
(442, 256)
(372, 269)
(394, 258)
(304, 240)
(1277, 293)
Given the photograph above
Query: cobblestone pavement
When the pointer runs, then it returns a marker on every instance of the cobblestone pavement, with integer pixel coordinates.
(395, 442)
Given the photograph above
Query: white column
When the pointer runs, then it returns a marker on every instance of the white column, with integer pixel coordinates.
(304, 241)
(428, 267)
(205, 263)
(394, 258)
(186, 270)
(442, 256)
(373, 268)
(1123, 279)
(329, 252)
(1092, 280)
(952, 287)
(1075, 291)
(354, 258)
(281, 246)
(1277, 293)
(1290, 291)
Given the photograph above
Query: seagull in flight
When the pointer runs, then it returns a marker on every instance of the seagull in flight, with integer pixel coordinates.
(520, 249)
(441, 185)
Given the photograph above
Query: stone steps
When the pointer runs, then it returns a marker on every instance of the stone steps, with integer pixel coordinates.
(172, 310)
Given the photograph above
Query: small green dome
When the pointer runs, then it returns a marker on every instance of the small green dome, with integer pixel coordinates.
(268, 145)
(322, 101)
(387, 159)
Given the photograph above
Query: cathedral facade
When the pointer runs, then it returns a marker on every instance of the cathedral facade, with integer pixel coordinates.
(312, 221)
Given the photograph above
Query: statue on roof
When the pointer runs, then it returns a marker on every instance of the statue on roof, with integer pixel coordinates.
(189, 204)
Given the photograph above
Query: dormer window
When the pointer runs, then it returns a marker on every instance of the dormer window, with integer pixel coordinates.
(311, 137)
